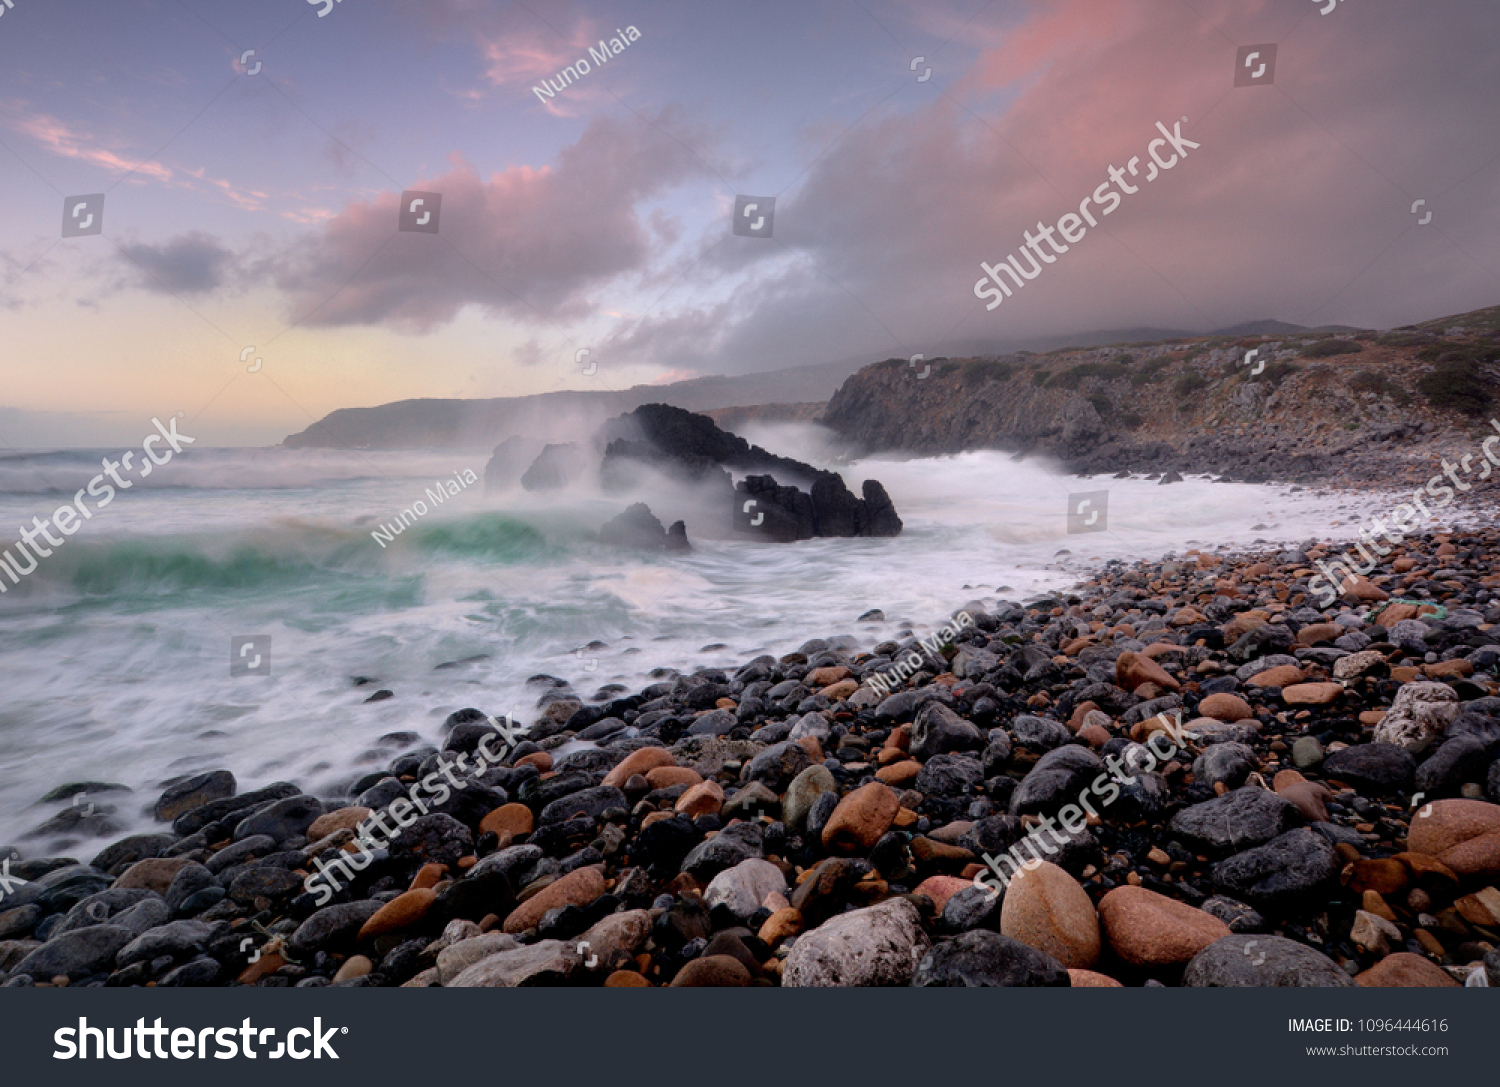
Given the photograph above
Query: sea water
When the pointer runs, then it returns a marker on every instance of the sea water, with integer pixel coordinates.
(115, 654)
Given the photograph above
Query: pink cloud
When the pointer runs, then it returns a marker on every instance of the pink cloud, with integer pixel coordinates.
(63, 141)
(528, 242)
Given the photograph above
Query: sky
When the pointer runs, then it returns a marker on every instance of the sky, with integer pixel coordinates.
(248, 269)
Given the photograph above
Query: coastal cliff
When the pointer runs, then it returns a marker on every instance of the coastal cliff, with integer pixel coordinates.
(1303, 407)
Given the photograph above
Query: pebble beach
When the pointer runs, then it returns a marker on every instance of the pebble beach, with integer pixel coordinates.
(1332, 819)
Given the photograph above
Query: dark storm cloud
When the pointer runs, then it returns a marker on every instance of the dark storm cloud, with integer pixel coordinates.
(192, 263)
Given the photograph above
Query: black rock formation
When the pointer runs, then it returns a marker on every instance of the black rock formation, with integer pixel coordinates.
(763, 507)
(806, 502)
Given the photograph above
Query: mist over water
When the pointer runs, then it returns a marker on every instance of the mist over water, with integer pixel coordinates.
(116, 651)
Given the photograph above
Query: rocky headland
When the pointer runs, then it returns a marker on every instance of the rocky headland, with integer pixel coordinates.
(1356, 410)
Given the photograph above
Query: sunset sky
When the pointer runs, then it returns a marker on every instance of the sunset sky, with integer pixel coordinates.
(261, 209)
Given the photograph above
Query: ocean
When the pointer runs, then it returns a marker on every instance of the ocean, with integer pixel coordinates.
(116, 652)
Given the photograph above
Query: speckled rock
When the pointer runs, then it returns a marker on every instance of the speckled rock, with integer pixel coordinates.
(1150, 929)
(877, 945)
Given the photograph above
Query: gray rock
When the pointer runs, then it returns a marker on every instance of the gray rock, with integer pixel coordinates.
(1264, 664)
(1378, 769)
(188, 881)
(949, 776)
(77, 954)
(877, 945)
(1207, 732)
(772, 733)
(192, 793)
(194, 820)
(997, 753)
(115, 858)
(589, 803)
(939, 731)
(971, 663)
(812, 724)
(589, 760)
(1359, 664)
(200, 973)
(981, 959)
(281, 820)
(1298, 867)
(60, 889)
(378, 796)
(99, 908)
(1141, 796)
(256, 845)
(1238, 916)
(1057, 779)
(750, 801)
(1238, 820)
(547, 962)
(817, 818)
(745, 886)
(332, 926)
(144, 915)
(1230, 763)
(1307, 753)
(777, 765)
(1269, 962)
(1039, 733)
(438, 838)
(1410, 635)
(1471, 721)
(1456, 762)
(510, 861)
(735, 843)
(973, 907)
(273, 884)
(714, 723)
(457, 957)
(901, 705)
(13, 951)
(179, 939)
(803, 792)
(18, 922)
(1143, 711)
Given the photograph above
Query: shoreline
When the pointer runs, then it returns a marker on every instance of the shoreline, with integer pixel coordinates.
(721, 800)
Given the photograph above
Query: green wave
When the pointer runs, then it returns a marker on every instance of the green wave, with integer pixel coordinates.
(288, 558)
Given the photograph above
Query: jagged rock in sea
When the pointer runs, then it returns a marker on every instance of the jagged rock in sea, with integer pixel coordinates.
(830, 510)
(556, 466)
(510, 460)
(638, 527)
(800, 501)
(688, 446)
